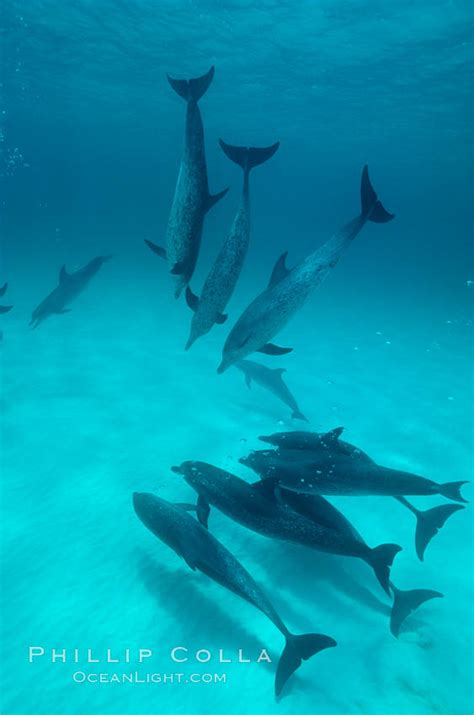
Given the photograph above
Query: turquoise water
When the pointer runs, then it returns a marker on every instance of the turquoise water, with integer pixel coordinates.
(101, 402)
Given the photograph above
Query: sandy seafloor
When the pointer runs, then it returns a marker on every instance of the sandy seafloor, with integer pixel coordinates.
(99, 403)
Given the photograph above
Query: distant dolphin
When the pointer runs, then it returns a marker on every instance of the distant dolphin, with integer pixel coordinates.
(192, 199)
(256, 508)
(428, 521)
(272, 380)
(288, 289)
(318, 509)
(224, 274)
(4, 308)
(70, 286)
(202, 551)
(343, 471)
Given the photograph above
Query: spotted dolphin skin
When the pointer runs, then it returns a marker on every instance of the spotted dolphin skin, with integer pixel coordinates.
(192, 199)
(201, 551)
(256, 508)
(70, 286)
(272, 380)
(224, 274)
(288, 289)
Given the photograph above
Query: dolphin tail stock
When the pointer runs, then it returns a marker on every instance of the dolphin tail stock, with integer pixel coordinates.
(298, 415)
(381, 559)
(371, 207)
(452, 490)
(191, 90)
(248, 157)
(297, 649)
(405, 602)
(161, 252)
(429, 522)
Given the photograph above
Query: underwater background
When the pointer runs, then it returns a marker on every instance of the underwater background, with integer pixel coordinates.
(101, 402)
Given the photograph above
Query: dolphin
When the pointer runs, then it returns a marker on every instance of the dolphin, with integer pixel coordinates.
(70, 286)
(224, 274)
(428, 521)
(257, 509)
(201, 551)
(319, 509)
(192, 199)
(4, 308)
(288, 289)
(272, 380)
(342, 473)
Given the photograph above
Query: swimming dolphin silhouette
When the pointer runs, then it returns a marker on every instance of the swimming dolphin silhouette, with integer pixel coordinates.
(200, 550)
(224, 274)
(428, 521)
(192, 199)
(288, 289)
(4, 308)
(319, 509)
(272, 380)
(70, 286)
(256, 508)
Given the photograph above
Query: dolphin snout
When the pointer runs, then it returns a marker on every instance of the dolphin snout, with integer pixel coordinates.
(177, 470)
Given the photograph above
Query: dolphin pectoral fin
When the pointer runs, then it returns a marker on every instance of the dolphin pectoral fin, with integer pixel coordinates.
(5, 308)
(297, 649)
(178, 268)
(203, 511)
(212, 199)
(192, 89)
(372, 209)
(156, 249)
(63, 275)
(405, 602)
(221, 318)
(3, 289)
(191, 299)
(279, 272)
(271, 349)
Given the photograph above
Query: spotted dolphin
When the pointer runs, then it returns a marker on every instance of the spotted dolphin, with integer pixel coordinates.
(224, 274)
(70, 286)
(255, 507)
(288, 289)
(192, 199)
(202, 551)
(272, 380)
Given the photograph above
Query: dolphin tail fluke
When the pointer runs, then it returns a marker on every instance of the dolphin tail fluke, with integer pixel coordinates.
(248, 157)
(298, 415)
(297, 649)
(429, 522)
(192, 89)
(381, 558)
(372, 209)
(452, 490)
(156, 249)
(405, 602)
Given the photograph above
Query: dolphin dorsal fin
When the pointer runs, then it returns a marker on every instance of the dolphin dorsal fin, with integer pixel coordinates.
(280, 270)
(63, 274)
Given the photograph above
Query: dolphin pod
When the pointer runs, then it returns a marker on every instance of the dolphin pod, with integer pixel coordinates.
(202, 552)
(272, 380)
(289, 289)
(192, 198)
(70, 286)
(224, 274)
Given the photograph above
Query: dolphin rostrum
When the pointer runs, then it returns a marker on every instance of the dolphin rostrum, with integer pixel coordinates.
(341, 470)
(200, 550)
(428, 521)
(192, 199)
(272, 380)
(256, 508)
(317, 508)
(224, 274)
(70, 286)
(288, 289)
